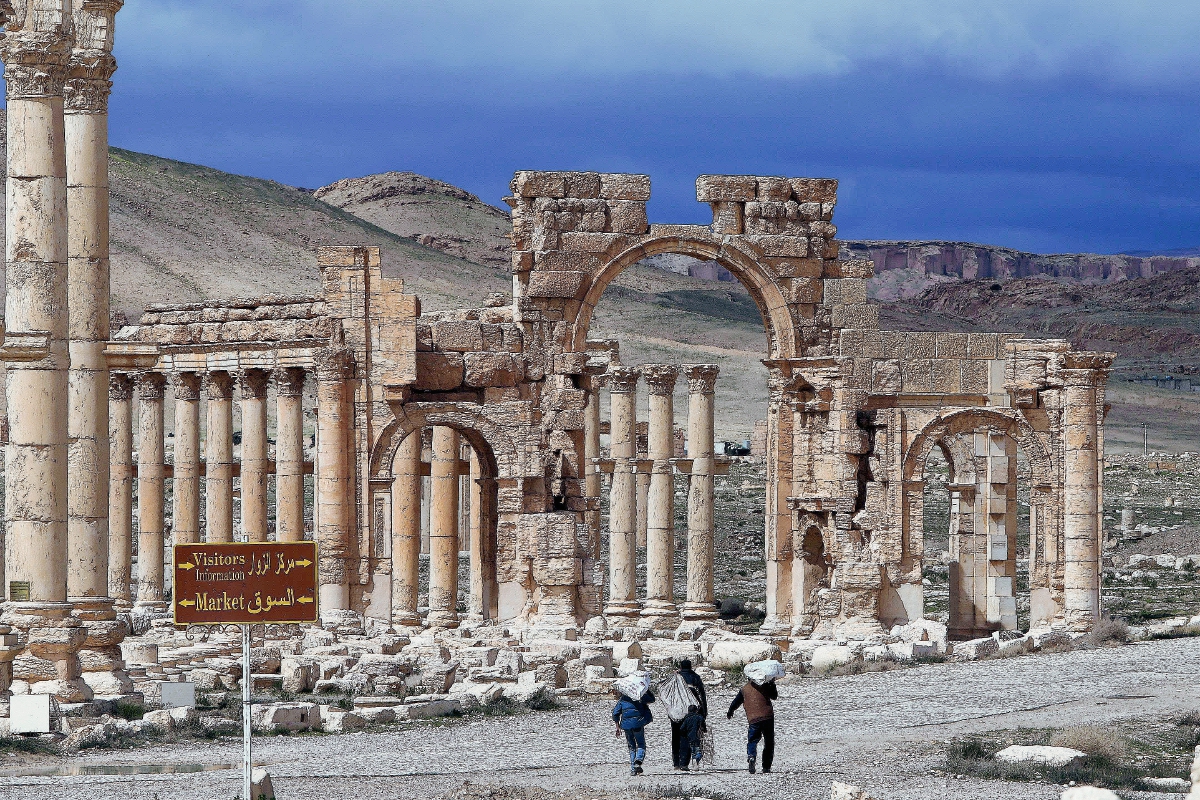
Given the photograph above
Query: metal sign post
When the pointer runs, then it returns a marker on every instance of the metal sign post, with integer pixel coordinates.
(247, 760)
(245, 583)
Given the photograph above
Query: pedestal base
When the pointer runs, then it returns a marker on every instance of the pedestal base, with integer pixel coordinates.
(692, 610)
(51, 634)
(622, 613)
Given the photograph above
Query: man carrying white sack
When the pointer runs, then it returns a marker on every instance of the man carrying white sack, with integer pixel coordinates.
(757, 696)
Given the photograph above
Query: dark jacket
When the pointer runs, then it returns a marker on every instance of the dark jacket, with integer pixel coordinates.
(757, 700)
(693, 726)
(633, 714)
(693, 680)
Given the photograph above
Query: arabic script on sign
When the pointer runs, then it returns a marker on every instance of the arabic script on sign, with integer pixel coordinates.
(245, 582)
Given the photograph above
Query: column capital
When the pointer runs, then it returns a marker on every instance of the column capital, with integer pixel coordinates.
(623, 380)
(35, 62)
(334, 366)
(253, 383)
(150, 385)
(660, 378)
(89, 81)
(701, 378)
(218, 385)
(186, 385)
(289, 381)
(120, 386)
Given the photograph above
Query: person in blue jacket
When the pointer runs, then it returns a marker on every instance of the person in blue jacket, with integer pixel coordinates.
(632, 716)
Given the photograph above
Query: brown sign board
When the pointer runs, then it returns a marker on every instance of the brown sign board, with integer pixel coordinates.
(245, 583)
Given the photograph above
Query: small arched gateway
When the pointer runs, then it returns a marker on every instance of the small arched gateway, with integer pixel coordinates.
(853, 411)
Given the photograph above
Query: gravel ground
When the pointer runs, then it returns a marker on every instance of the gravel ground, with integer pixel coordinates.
(884, 731)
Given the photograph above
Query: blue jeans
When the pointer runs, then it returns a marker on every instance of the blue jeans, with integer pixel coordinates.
(764, 730)
(636, 739)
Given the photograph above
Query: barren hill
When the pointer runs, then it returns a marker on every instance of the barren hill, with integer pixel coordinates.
(434, 213)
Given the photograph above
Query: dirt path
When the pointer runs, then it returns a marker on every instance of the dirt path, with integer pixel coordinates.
(881, 730)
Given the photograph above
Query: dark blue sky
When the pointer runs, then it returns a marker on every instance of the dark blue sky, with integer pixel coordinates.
(1039, 125)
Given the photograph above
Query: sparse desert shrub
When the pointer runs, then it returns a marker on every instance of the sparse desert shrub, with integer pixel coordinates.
(1095, 741)
(1109, 631)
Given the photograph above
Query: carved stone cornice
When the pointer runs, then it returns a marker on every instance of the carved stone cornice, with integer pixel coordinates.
(660, 378)
(35, 62)
(289, 381)
(701, 378)
(623, 380)
(120, 386)
(186, 385)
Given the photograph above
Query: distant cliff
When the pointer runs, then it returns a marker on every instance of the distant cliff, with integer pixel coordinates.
(972, 261)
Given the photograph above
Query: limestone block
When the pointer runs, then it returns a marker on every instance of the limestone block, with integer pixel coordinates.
(919, 345)
(805, 290)
(108, 684)
(556, 284)
(827, 657)
(219, 726)
(379, 665)
(539, 184)
(439, 371)
(1039, 754)
(552, 675)
(628, 666)
(917, 375)
(718, 188)
(533, 694)
(627, 216)
(582, 184)
(95, 735)
(490, 369)
(461, 336)
(624, 186)
(429, 709)
(982, 345)
(815, 190)
(158, 720)
(260, 784)
(775, 190)
(739, 652)
(845, 791)
(558, 571)
(855, 268)
(885, 376)
(974, 376)
(624, 650)
(299, 674)
(950, 345)
(945, 377)
(781, 246)
(858, 315)
(206, 680)
(32, 669)
(974, 649)
(264, 660)
(277, 717)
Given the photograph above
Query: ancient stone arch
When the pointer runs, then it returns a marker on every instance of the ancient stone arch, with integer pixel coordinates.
(949, 424)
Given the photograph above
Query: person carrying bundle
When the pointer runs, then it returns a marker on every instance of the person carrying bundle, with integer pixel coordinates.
(632, 714)
(680, 693)
(756, 697)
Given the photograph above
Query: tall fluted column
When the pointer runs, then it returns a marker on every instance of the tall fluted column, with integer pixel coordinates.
(254, 454)
(185, 519)
(36, 51)
(86, 135)
(120, 491)
(477, 603)
(443, 529)
(218, 467)
(622, 500)
(701, 380)
(660, 510)
(289, 455)
(591, 451)
(1081, 468)
(150, 490)
(335, 476)
(406, 530)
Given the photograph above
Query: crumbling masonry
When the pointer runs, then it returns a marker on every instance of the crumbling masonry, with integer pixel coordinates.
(507, 395)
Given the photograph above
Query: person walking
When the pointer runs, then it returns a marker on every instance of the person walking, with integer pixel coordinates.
(632, 717)
(681, 751)
(760, 721)
(693, 727)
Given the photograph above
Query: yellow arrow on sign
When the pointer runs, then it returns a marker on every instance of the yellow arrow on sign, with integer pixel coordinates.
(187, 603)
(304, 599)
(187, 565)
(304, 563)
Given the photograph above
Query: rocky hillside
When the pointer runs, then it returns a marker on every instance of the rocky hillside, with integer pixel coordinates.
(433, 213)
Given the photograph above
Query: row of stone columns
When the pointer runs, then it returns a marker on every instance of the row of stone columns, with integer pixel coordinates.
(451, 531)
(659, 466)
(217, 467)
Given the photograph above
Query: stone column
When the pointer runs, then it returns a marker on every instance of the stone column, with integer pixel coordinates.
(476, 604)
(406, 530)
(1081, 469)
(701, 380)
(120, 488)
(660, 510)
(289, 455)
(150, 491)
(253, 383)
(218, 445)
(86, 136)
(443, 529)
(622, 500)
(36, 51)
(591, 452)
(335, 476)
(185, 520)
(642, 490)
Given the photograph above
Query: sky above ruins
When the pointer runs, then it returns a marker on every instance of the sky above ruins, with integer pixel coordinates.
(1049, 126)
